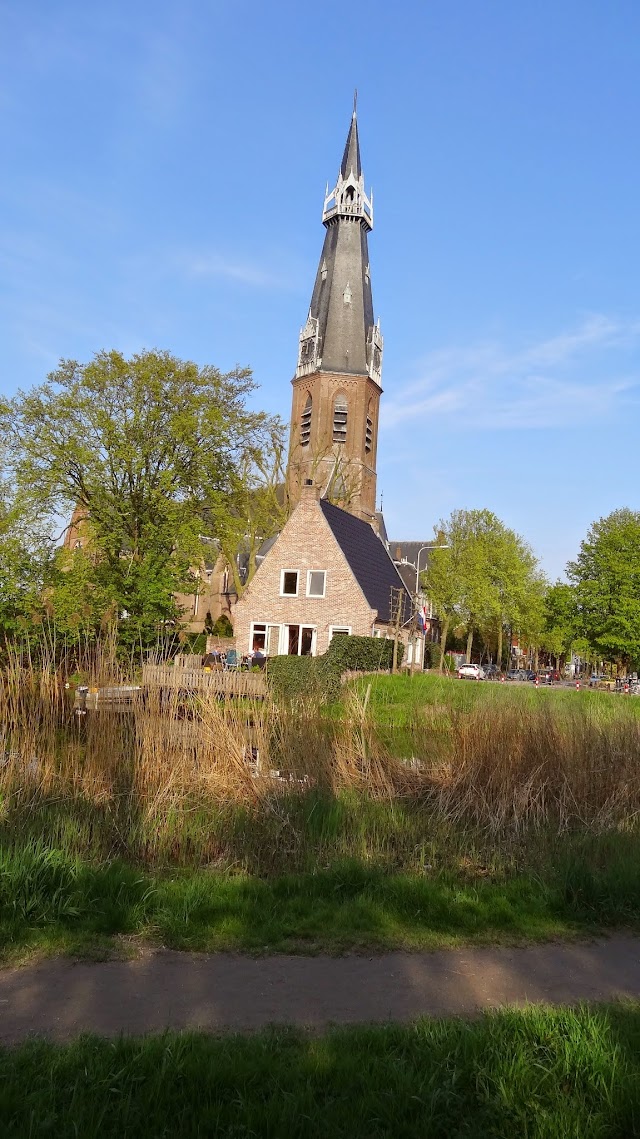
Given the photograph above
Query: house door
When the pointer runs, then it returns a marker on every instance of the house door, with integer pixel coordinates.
(301, 640)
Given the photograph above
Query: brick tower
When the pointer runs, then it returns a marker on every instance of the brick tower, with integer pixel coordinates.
(337, 385)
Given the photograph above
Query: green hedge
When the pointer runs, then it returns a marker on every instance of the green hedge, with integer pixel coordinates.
(363, 654)
(293, 676)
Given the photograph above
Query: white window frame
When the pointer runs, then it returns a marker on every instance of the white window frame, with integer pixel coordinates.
(317, 596)
(339, 629)
(284, 643)
(267, 626)
(282, 573)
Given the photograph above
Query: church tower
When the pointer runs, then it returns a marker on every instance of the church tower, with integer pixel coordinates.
(337, 385)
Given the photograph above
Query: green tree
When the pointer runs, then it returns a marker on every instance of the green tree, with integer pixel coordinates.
(483, 578)
(257, 506)
(150, 448)
(560, 615)
(606, 576)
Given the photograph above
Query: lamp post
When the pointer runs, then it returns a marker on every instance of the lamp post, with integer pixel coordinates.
(429, 546)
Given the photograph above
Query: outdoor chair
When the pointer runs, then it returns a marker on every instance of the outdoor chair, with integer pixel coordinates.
(231, 661)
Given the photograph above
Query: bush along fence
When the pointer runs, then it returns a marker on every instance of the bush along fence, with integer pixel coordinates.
(294, 676)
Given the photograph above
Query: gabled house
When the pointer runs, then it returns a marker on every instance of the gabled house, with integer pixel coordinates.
(327, 573)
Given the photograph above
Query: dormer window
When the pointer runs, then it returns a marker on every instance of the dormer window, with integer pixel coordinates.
(305, 422)
(340, 411)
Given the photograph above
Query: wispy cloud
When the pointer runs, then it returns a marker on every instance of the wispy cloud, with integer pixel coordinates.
(575, 376)
(233, 268)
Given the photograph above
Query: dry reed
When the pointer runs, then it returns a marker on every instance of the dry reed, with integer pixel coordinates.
(154, 766)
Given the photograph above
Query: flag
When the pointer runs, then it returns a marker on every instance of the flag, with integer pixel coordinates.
(422, 618)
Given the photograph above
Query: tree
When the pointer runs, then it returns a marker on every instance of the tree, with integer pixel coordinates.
(24, 553)
(481, 577)
(606, 575)
(257, 506)
(441, 584)
(560, 615)
(149, 448)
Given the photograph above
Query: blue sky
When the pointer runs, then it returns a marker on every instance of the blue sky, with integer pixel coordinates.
(164, 169)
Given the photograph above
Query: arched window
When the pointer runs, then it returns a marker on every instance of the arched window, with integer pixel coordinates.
(305, 422)
(340, 419)
(368, 435)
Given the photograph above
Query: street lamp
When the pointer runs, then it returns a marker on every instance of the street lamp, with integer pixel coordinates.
(429, 546)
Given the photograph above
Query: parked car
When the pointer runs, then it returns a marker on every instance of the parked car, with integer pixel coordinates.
(547, 676)
(471, 672)
(515, 674)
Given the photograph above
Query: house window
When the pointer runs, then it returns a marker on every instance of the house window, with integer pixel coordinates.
(289, 583)
(339, 631)
(265, 638)
(340, 410)
(316, 582)
(305, 422)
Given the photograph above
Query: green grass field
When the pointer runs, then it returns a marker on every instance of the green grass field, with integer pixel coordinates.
(539, 1073)
(51, 902)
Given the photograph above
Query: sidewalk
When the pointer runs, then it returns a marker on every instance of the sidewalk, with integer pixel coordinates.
(166, 990)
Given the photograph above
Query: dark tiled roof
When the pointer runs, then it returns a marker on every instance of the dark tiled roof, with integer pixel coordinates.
(368, 559)
(408, 552)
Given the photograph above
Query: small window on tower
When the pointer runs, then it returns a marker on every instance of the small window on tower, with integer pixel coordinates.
(305, 422)
(368, 435)
(340, 419)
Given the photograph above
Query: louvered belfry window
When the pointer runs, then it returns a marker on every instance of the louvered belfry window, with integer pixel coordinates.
(340, 419)
(368, 435)
(305, 423)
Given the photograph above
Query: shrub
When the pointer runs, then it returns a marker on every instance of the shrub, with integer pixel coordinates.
(431, 654)
(222, 627)
(293, 676)
(363, 654)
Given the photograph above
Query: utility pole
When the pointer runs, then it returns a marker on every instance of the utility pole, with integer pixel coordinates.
(397, 612)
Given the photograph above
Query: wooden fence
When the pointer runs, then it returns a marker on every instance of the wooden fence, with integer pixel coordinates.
(220, 682)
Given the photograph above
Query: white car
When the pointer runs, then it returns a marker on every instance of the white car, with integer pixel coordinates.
(471, 672)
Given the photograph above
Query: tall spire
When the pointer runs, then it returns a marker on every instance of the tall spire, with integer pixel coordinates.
(341, 334)
(351, 157)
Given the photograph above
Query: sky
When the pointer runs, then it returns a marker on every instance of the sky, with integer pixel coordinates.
(163, 174)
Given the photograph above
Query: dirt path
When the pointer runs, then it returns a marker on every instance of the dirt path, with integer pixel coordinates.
(162, 989)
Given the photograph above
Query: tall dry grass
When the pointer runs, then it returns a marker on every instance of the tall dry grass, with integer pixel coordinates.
(169, 779)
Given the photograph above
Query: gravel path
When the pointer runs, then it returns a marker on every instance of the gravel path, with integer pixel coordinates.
(161, 989)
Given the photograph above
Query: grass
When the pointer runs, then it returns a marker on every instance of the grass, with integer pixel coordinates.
(51, 902)
(539, 1073)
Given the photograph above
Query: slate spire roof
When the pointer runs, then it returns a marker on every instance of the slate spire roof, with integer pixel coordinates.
(351, 156)
(340, 334)
(368, 560)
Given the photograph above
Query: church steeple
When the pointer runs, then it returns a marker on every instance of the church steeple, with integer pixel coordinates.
(337, 384)
(340, 334)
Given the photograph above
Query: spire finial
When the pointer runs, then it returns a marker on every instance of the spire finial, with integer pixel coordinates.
(355, 101)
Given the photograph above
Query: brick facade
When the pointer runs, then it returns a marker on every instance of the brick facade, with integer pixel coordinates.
(356, 457)
(306, 543)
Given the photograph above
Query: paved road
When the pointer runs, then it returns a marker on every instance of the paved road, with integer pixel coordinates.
(161, 989)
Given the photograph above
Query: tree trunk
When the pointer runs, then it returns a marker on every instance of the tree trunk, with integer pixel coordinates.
(499, 654)
(469, 642)
(443, 642)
